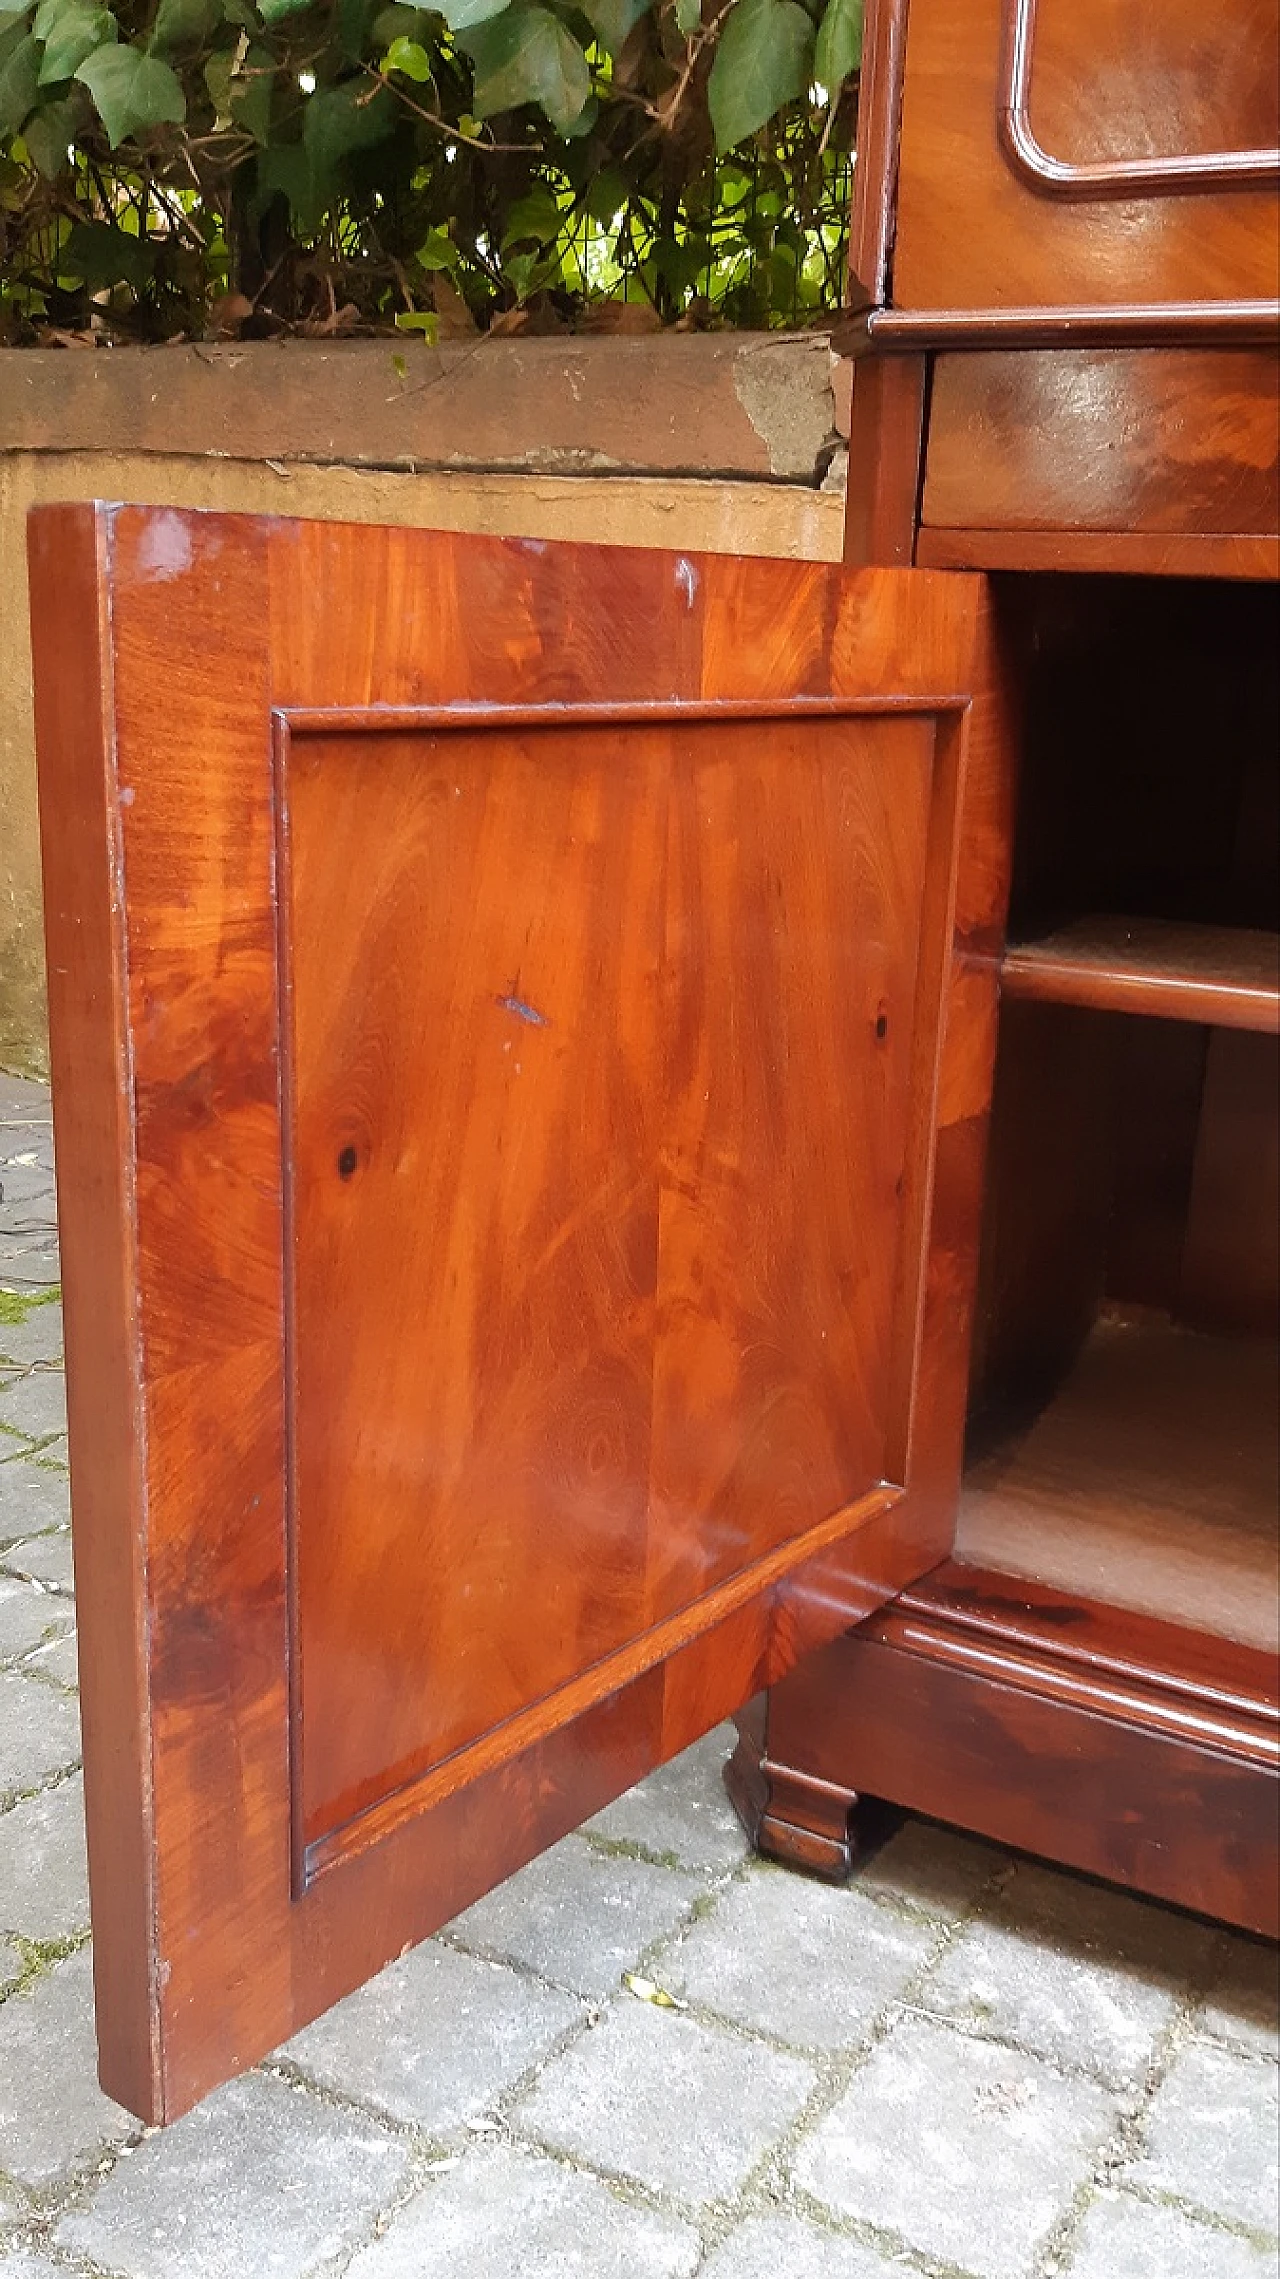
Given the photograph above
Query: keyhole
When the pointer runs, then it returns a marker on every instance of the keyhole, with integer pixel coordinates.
(346, 1163)
(882, 1025)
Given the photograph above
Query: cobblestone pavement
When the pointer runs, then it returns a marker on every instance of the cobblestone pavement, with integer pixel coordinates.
(963, 2064)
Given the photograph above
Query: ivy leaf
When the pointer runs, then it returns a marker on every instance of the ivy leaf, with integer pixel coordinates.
(353, 27)
(252, 87)
(460, 15)
(611, 20)
(395, 23)
(438, 251)
(19, 79)
(527, 55)
(50, 131)
(271, 11)
(99, 254)
(132, 91)
(839, 49)
(218, 79)
(184, 23)
(535, 218)
(406, 56)
(763, 59)
(606, 194)
(71, 31)
(341, 119)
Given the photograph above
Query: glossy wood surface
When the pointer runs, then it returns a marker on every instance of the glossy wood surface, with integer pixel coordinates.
(1099, 553)
(1171, 442)
(1116, 173)
(1126, 1748)
(886, 460)
(1228, 976)
(1110, 82)
(879, 106)
(598, 1128)
(94, 1131)
(1089, 1681)
(798, 740)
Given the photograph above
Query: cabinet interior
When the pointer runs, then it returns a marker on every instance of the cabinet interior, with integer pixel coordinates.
(1123, 1418)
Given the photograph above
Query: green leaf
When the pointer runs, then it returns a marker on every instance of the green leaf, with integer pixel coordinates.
(607, 194)
(580, 127)
(406, 56)
(839, 49)
(132, 91)
(395, 23)
(50, 131)
(184, 24)
(688, 16)
(341, 119)
(460, 15)
(534, 218)
(252, 88)
(437, 251)
(353, 27)
(286, 170)
(273, 10)
(528, 56)
(611, 20)
(103, 255)
(19, 80)
(219, 81)
(763, 59)
(9, 9)
(71, 31)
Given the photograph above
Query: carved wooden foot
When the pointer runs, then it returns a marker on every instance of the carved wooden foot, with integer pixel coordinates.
(789, 1815)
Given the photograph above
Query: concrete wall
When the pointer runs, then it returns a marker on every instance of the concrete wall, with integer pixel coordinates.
(725, 444)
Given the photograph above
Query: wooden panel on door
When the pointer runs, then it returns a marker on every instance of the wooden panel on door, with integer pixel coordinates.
(1073, 190)
(522, 1022)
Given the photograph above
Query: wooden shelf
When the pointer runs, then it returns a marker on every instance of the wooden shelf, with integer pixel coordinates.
(1225, 975)
(1147, 1482)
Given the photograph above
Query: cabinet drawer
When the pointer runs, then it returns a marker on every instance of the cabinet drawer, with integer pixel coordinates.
(1084, 153)
(1168, 454)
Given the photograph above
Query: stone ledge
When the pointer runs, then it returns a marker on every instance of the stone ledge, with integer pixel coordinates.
(736, 406)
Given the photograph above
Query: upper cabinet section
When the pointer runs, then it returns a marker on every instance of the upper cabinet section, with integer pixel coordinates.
(1090, 154)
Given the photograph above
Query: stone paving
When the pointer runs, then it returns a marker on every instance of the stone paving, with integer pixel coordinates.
(964, 2064)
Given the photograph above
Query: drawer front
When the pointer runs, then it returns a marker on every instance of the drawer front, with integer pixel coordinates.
(1177, 444)
(1087, 153)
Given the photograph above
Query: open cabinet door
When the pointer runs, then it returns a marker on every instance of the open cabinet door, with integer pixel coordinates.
(522, 1029)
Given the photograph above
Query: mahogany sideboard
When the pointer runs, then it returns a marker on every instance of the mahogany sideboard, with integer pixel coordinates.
(638, 1133)
(1065, 249)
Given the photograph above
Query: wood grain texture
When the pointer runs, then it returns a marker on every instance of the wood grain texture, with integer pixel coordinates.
(1125, 1748)
(92, 1108)
(1100, 553)
(1110, 81)
(886, 459)
(602, 1030)
(1191, 165)
(1170, 442)
(1228, 976)
(251, 1077)
(879, 105)
(1148, 1480)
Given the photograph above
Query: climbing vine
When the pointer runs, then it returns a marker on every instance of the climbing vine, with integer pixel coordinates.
(243, 167)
